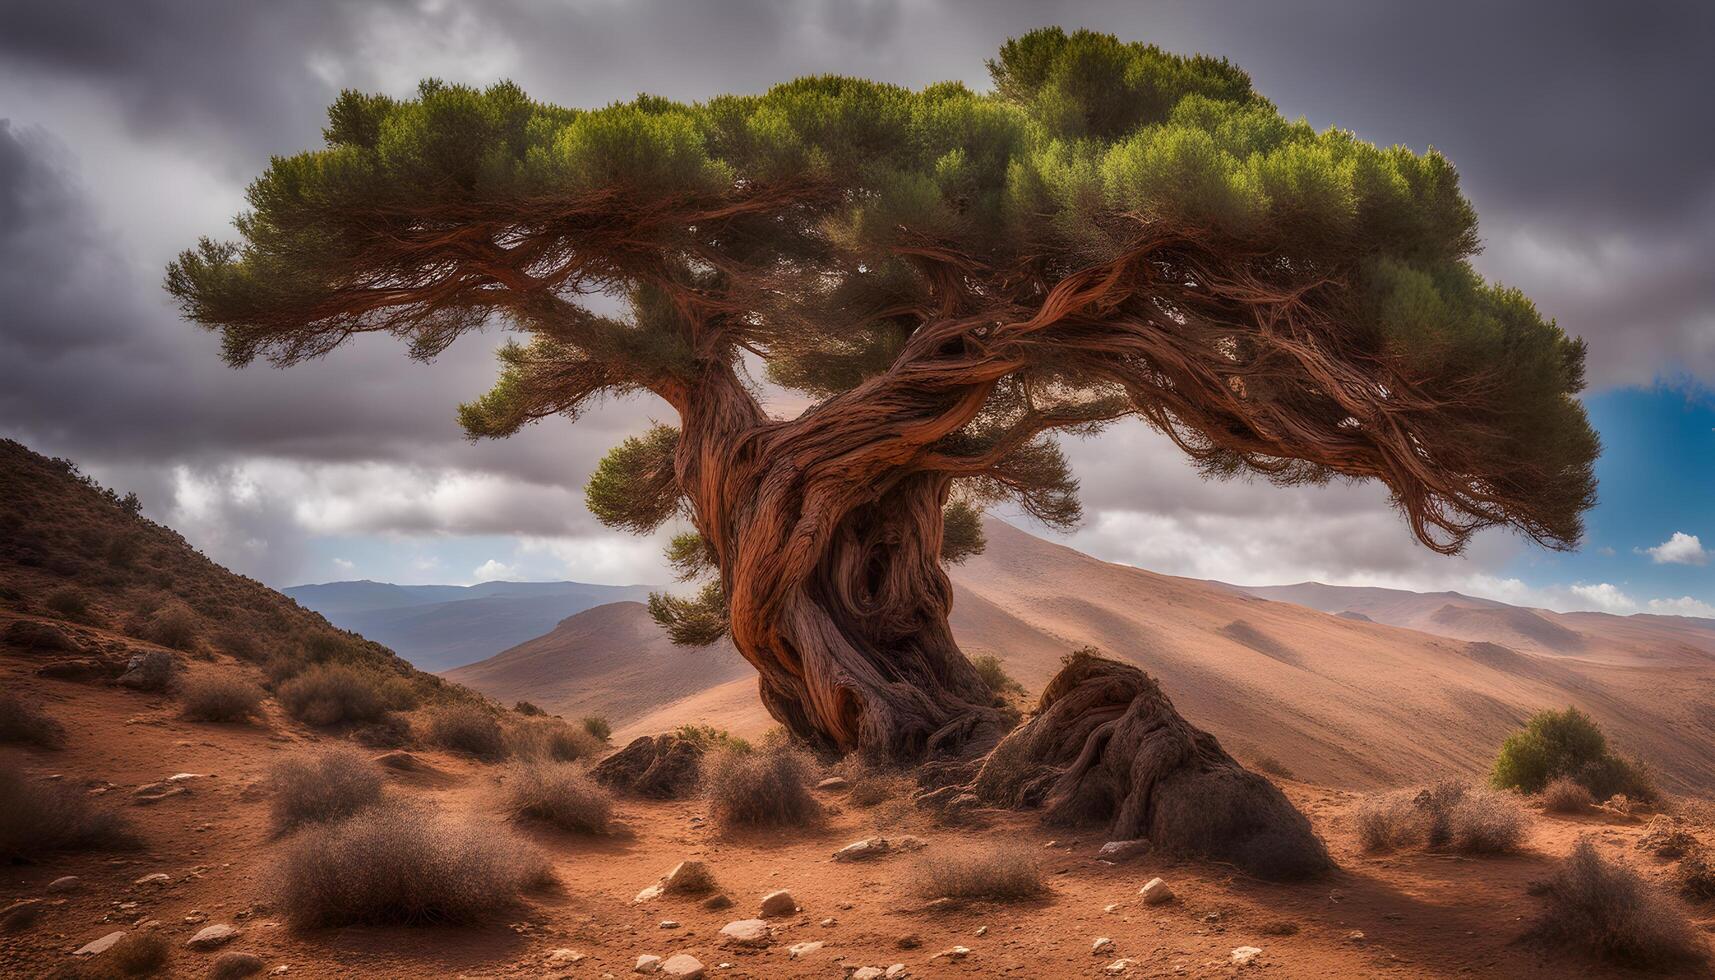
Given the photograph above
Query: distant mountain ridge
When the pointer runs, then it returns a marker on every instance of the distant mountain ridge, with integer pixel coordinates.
(438, 627)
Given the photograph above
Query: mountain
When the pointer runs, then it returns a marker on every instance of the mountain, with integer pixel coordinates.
(437, 627)
(1339, 700)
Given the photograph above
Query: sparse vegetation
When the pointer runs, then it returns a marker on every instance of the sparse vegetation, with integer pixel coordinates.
(769, 787)
(1270, 765)
(995, 874)
(560, 794)
(470, 728)
(1567, 743)
(1696, 874)
(598, 726)
(70, 603)
(25, 723)
(1605, 908)
(1564, 794)
(994, 674)
(173, 625)
(709, 737)
(333, 694)
(139, 954)
(552, 739)
(41, 817)
(220, 696)
(1449, 814)
(396, 864)
(527, 708)
(331, 785)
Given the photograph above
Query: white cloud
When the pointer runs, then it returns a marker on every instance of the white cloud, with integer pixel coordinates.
(1682, 606)
(495, 571)
(345, 565)
(1605, 597)
(1681, 549)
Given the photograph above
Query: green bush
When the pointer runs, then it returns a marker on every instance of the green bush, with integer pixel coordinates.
(994, 674)
(598, 726)
(1567, 743)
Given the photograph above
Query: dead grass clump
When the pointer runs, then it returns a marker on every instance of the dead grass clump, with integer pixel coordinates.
(1696, 874)
(996, 874)
(396, 864)
(25, 723)
(598, 726)
(333, 694)
(528, 708)
(995, 677)
(139, 954)
(220, 696)
(870, 786)
(470, 728)
(69, 603)
(551, 739)
(1605, 908)
(768, 787)
(1449, 814)
(559, 794)
(1566, 795)
(1269, 765)
(173, 625)
(41, 817)
(329, 786)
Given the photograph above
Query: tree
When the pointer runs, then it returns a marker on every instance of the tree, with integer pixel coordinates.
(955, 277)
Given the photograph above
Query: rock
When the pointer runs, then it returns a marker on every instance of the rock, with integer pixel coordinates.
(683, 966)
(184, 777)
(83, 669)
(895, 971)
(909, 843)
(211, 936)
(233, 964)
(1156, 892)
(155, 880)
(563, 956)
(647, 964)
(1119, 851)
(942, 904)
(797, 950)
(715, 903)
(1245, 955)
(745, 932)
(1110, 908)
(982, 930)
(21, 914)
(1102, 945)
(31, 635)
(151, 670)
(649, 894)
(669, 924)
(96, 947)
(69, 883)
(1117, 966)
(953, 953)
(834, 784)
(402, 761)
(828, 922)
(778, 903)
(688, 878)
(1355, 936)
(867, 973)
(912, 941)
(863, 850)
(657, 766)
(156, 792)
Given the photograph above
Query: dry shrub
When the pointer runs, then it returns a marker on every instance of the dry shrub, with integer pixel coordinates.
(391, 732)
(328, 786)
(220, 696)
(41, 817)
(467, 727)
(552, 739)
(767, 787)
(598, 726)
(334, 694)
(559, 794)
(238, 643)
(995, 677)
(25, 723)
(1270, 765)
(1566, 795)
(69, 603)
(396, 864)
(997, 873)
(1605, 908)
(139, 954)
(173, 625)
(1467, 819)
(1696, 874)
(528, 708)
(870, 786)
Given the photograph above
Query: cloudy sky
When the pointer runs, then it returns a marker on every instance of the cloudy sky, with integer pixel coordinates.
(1581, 131)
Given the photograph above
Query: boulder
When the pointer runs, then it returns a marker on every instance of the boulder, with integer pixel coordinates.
(1156, 892)
(96, 947)
(778, 903)
(150, 670)
(683, 966)
(745, 932)
(211, 936)
(657, 766)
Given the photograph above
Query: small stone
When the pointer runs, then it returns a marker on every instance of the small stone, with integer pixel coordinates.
(647, 964)
(745, 932)
(233, 964)
(908, 843)
(184, 777)
(834, 784)
(1119, 851)
(649, 894)
(953, 953)
(715, 903)
(867, 973)
(155, 880)
(98, 946)
(912, 941)
(211, 936)
(797, 950)
(942, 904)
(1156, 892)
(827, 922)
(982, 930)
(895, 971)
(1117, 966)
(778, 903)
(563, 955)
(69, 883)
(1355, 936)
(669, 923)
(863, 850)
(1102, 945)
(1245, 955)
(1110, 908)
(689, 878)
(684, 966)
